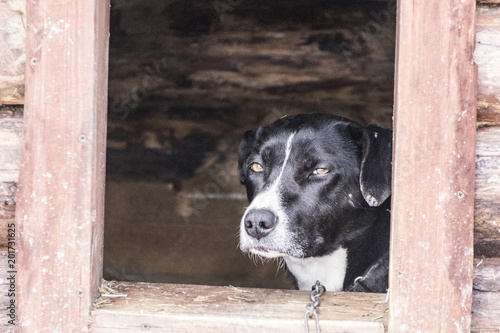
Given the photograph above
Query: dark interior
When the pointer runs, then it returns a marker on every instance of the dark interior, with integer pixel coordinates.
(186, 80)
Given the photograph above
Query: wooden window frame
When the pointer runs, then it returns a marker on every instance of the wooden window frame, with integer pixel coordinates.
(60, 209)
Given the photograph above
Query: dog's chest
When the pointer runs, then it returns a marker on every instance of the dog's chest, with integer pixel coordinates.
(329, 270)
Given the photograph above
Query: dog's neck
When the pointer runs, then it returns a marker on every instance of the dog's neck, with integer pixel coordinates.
(329, 270)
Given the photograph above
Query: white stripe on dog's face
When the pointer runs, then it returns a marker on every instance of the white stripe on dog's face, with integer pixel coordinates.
(280, 238)
(330, 269)
(287, 156)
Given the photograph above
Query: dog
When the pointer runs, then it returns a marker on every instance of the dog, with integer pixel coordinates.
(319, 188)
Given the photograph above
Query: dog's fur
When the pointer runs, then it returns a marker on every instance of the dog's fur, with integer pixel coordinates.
(319, 190)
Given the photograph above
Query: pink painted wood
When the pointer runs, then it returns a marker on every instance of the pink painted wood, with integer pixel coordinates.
(61, 184)
(433, 180)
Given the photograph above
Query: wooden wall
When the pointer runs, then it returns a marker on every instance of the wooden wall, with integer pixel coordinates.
(191, 74)
(12, 55)
(486, 296)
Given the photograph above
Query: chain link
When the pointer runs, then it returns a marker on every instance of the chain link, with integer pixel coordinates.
(312, 308)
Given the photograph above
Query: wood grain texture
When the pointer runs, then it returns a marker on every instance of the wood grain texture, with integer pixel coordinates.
(12, 54)
(188, 308)
(162, 306)
(486, 296)
(330, 56)
(486, 312)
(182, 238)
(433, 172)
(7, 215)
(11, 127)
(487, 274)
(487, 57)
(305, 69)
(60, 203)
(487, 196)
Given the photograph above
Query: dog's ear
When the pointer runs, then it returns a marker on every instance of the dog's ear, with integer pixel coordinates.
(246, 147)
(376, 162)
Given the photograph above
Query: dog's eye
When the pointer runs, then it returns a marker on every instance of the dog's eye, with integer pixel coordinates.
(256, 167)
(321, 171)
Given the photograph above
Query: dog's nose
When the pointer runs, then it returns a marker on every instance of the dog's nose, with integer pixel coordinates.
(260, 222)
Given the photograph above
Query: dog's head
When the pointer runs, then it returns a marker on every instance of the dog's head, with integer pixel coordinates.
(307, 177)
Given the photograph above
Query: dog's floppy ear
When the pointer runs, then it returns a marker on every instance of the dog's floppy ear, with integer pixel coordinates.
(376, 163)
(247, 145)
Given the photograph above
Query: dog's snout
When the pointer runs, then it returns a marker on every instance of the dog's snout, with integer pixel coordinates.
(260, 222)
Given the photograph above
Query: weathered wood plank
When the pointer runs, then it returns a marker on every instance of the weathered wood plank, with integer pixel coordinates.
(487, 274)
(182, 237)
(487, 57)
(7, 214)
(227, 68)
(488, 141)
(487, 194)
(433, 173)
(486, 296)
(188, 308)
(11, 127)
(60, 210)
(487, 207)
(334, 56)
(486, 229)
(187, 302)
(485, 312)
(12, 54)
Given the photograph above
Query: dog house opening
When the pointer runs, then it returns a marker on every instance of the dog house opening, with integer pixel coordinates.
(186, 80)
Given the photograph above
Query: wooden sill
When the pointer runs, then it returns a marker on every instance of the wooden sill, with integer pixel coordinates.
(188, 308)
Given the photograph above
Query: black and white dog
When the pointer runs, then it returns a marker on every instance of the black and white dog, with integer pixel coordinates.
(319, 188)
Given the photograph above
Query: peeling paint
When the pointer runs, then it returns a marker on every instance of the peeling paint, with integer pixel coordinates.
(55, 28)
(424, 245)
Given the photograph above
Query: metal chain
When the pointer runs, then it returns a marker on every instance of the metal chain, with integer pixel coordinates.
(312, 308)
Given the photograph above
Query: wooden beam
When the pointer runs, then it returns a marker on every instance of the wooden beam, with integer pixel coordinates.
(12, 55)
(488, 1)
(487, 196)
(61, 184)
(486, 312)
(11, 128)
(487, 275)
(487, 57)
(486, 296)
(266, 67)
(433, 178)
(6, 219)
(189, 308)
